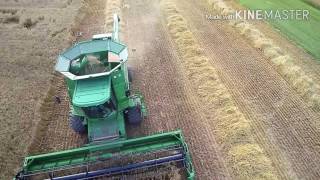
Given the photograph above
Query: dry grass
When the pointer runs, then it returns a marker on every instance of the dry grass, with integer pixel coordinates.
(314, 3)
(245, 157)
(9, 16)
(45, 113)
(27, 59)
(241, 156)
(28, 23)
(112, 7)
(298, 79)
(8, 11)
(11, 19)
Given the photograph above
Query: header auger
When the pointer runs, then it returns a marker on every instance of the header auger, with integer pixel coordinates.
(101, 102)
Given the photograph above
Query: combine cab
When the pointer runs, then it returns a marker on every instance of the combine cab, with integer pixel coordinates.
(98, 84)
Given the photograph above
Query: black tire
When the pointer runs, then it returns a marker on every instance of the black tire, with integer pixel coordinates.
(76, 123)
(134, 115)
(130, 74)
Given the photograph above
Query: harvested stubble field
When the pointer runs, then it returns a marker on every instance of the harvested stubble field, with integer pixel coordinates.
(241, 112)
(32, 33)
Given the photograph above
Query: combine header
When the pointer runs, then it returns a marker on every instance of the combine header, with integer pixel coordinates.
(101, 101)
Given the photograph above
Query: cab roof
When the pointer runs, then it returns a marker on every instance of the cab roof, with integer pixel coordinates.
(92, 92)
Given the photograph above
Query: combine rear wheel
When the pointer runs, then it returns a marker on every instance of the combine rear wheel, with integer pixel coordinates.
(130, 74)
(76, 123)
(134, 115)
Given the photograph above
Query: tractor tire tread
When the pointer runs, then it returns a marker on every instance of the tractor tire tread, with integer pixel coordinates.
(134, 116)
(76, 123)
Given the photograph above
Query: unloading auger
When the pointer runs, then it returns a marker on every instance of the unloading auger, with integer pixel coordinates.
(101, 100)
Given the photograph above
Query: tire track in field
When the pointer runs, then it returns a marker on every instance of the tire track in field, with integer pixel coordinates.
(169, 102)
(262, 92)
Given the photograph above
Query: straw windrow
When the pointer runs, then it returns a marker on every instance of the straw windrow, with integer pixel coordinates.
(234, 132)
(292, 73)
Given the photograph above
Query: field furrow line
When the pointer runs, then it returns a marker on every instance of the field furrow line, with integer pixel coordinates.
(268, 96)
(233, 130)
(301, 82)
(159, 79)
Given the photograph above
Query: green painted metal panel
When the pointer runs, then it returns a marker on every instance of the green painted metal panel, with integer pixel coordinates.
(70, 86)
(107, 129)
(92, 92)
(63, 64)
(121, 124)
(119, 85)
(93, 46)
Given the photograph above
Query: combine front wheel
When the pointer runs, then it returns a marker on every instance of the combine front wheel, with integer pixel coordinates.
(130, 74)
(76, 123)
(134, 115)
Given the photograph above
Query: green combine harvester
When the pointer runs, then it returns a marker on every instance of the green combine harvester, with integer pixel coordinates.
(101, 101)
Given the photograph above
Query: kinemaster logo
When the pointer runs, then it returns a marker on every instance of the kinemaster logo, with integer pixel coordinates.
(292, 14)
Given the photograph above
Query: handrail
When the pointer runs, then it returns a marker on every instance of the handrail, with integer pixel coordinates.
(75, 77)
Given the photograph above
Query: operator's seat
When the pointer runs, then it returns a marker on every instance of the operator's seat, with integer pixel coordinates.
(93, 66)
